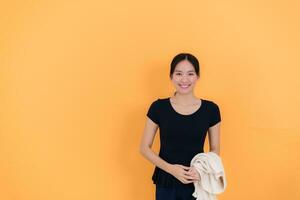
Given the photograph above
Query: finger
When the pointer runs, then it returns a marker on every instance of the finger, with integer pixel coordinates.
(193, 179)
(187, 177)
(188, 181)
(187, 173)
(185, 167)
(193, 173)
(191, 170)
(196, 177)
(183, 180)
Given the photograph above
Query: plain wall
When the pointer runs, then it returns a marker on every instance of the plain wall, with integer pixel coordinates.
(77, 78)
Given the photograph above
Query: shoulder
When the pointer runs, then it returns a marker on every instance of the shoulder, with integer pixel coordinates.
(211, 104)
(159, 101)
(155, 103)
(156, 109)
(159, 104)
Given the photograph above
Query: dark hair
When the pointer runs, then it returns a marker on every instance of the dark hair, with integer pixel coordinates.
(184, 56)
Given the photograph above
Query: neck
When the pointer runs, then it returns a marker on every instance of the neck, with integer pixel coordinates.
(185, 98)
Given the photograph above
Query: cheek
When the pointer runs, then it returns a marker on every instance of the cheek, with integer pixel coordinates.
(176, 79)
(193, 80)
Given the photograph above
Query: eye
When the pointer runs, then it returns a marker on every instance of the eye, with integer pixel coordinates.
(192, 74)
(178, 73)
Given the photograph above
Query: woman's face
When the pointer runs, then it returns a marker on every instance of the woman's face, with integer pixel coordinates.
(184, 77)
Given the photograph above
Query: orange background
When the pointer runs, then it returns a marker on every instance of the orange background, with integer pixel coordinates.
(77, 78)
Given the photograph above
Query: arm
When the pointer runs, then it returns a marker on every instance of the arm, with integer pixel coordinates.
(146, 144)
(214, 146)
(214, 138)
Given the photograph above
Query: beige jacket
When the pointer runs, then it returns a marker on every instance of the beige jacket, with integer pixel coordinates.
(212, 176)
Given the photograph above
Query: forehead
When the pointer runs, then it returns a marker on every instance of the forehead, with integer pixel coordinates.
(184, 66)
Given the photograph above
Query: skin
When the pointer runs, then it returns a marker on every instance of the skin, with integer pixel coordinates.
(184, 102)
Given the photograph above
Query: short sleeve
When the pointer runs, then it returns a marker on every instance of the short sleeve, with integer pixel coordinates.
(153, 113)
(215, 115)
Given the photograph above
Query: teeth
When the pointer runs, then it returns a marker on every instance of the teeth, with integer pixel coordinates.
(184, 86)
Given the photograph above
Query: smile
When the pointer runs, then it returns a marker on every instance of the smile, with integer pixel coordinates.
(184, 86)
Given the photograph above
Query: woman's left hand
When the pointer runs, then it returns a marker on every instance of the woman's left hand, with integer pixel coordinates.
(194, 173)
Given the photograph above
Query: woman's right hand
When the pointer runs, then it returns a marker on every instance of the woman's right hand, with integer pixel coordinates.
(181, 173)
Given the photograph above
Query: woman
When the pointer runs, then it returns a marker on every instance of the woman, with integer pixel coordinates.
(183, 120)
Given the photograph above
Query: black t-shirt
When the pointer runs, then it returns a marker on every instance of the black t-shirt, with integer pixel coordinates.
(181, 136)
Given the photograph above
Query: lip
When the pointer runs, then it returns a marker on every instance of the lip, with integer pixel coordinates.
(184, 86)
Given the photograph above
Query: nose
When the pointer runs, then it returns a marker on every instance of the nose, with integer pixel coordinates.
(184, 78)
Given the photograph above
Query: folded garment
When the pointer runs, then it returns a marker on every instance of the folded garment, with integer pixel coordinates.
(212, 176)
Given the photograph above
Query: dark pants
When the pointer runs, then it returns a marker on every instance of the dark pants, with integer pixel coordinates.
(177, 193)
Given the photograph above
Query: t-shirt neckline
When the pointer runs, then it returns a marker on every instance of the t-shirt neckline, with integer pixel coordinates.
(184, 115)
